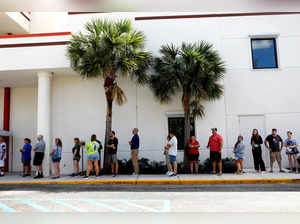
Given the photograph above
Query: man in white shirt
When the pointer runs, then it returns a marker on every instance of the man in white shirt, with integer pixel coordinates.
(2, 155)
(172, 148)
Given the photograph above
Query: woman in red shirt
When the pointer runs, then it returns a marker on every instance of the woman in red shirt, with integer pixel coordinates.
(193, 154)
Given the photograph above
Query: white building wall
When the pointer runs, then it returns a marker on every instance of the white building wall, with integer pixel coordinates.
(23, 122)
(79, 106)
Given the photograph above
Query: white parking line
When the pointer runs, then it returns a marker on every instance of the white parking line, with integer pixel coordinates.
(65, 204)
(5, 208)
(33, 202)
(139, 206)
(34, 205)
(102, 205)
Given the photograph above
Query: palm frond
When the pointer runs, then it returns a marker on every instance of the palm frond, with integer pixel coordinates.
(197, 109)
(194, 68)
(118, 95)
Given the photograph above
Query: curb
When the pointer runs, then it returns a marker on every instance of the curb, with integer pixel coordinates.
(159, 182)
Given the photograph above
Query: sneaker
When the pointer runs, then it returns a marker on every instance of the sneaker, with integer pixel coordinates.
(170, 174)
(86, 177)
(114, 175)
(257, 171)
(133, 174)
(220, 174)
(173, 175)
(54, 177)
(291, 171)
(271, 171)
(1, 175)
(264, 172)
(37, 177)
(282, 171)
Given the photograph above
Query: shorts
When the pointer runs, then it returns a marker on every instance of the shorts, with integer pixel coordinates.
(275, 156)
(93, 157)
(1, 163)
(56, 160)
(215, 156)
(77, 158)
(172, 158)
(112, 158)
(239, 156)
(193, 157)
(26, 162)
(292, 152)
(38, 158)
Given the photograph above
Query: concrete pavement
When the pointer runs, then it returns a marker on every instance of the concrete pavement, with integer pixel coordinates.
(158, 202)
(249, 177)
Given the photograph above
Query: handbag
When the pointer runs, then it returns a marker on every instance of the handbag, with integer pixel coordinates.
(295, 150)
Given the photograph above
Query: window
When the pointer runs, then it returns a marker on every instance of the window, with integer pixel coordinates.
(264, 53)
(176, 125)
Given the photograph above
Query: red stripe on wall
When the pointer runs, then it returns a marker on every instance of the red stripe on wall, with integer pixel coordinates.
(6, 111)
(36, 35)
(34, 44)
(78, 13)
(214, 15)
(6, 122)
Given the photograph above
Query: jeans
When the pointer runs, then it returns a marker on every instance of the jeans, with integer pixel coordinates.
(134, 159)
(258, 161)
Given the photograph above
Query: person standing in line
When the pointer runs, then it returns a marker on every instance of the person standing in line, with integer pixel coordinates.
(291, 151)
(256, 141)
(56, 157)
(112, 152)
(275, 144)
(76, 156)
(3, 151)
(167, 157)
(39, 152)
(99, 151)
(193, 154)
(215, 144)
(26, 157)
(93, 156)
(172, 148)
(134, 146)
(238, 150)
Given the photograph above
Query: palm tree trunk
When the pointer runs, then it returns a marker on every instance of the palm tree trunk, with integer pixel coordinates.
(187, 128)
(109, 103)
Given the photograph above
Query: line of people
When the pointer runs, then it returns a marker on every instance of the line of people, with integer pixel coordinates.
(272, 142)
(93, 148)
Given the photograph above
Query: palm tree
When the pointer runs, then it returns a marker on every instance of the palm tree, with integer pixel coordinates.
(108, 49)
(194, 71)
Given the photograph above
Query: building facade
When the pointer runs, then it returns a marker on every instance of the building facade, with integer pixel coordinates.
(47, 97)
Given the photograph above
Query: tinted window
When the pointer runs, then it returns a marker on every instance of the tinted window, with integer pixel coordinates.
(264, 53)
(176, 125)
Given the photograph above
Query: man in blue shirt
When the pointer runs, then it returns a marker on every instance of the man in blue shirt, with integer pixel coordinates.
(134, 146)
(26, 157)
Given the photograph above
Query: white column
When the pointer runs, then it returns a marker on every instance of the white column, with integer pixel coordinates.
(44, 115)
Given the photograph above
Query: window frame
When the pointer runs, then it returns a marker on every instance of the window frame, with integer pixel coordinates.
(274, 39)
(177, 116)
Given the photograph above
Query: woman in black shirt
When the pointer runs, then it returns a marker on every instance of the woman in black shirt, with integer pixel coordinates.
(76, 156)
(256, 142)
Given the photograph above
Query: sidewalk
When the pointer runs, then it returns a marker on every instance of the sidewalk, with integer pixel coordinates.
(249, 177)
